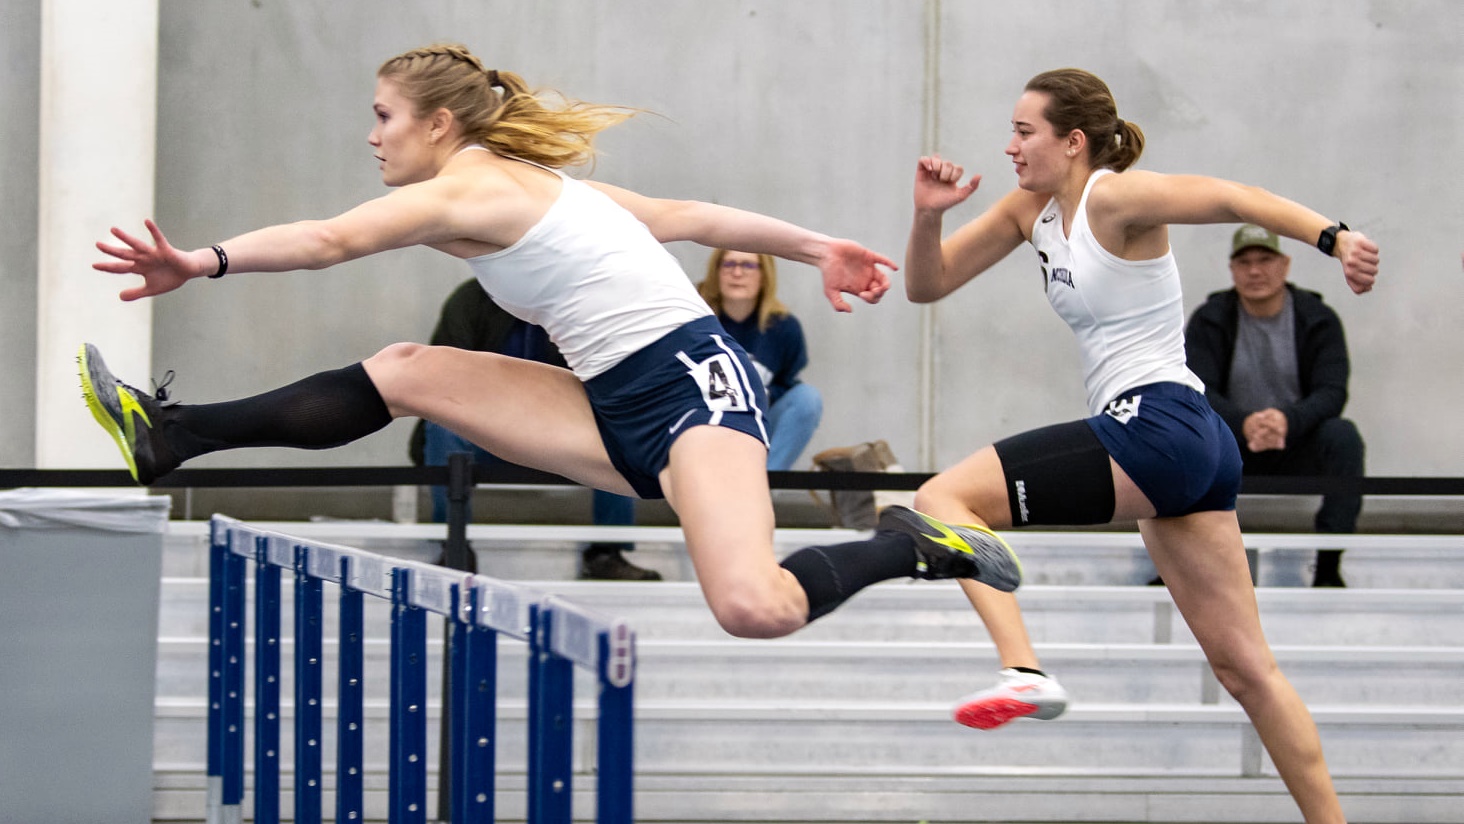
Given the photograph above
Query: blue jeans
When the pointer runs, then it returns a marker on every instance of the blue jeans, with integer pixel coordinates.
(791, 423)
(608, 509)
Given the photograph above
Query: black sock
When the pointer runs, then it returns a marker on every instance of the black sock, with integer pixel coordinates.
(324, 410)
(1030, 670)
(830, 575)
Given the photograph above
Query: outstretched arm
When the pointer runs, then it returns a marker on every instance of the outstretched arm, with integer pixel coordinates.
(1136, 200)
(847, 267)
(408, 216)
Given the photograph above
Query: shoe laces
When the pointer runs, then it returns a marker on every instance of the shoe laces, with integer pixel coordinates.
(160, 390)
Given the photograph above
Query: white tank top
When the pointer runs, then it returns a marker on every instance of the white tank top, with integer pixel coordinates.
(594, 277)
(1128, 315)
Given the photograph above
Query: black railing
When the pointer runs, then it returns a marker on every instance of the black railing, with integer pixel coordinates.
(504, 474)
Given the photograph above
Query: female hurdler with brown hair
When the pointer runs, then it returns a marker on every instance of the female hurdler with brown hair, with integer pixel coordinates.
(658, 400)
(1153, 450)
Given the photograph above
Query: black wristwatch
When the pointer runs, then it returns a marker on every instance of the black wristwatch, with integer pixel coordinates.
(1328, 240)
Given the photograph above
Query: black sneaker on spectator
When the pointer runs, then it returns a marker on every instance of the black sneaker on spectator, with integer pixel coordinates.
(603, 562)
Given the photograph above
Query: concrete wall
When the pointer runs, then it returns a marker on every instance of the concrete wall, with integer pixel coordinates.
(815, 111)
(20, 49)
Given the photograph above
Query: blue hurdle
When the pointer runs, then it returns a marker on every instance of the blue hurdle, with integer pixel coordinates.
(560, 637)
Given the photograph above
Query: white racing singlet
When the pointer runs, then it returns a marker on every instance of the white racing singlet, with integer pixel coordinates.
(1128, 315)
(594, 277)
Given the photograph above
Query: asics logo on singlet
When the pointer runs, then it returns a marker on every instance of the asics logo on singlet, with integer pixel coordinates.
(1062, 275)
(1050, 218)
(1123, 409)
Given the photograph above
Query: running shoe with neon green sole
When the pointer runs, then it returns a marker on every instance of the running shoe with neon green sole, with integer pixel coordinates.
(955, 550)
(132, 417)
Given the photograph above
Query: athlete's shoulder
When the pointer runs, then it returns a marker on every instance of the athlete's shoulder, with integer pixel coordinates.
(1022, 208)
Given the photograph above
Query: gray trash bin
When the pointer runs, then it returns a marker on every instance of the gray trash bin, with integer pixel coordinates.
(79, 581)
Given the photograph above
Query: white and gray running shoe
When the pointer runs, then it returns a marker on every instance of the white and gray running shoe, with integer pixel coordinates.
(1017, 694)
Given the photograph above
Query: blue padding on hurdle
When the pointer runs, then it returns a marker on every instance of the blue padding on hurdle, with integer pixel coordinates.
(407, 786)
(350, 713)
(309, 688)
(217, 551)
(615, 747)
(232, 699)
(266, 685)
(551, 723)
(474, 686)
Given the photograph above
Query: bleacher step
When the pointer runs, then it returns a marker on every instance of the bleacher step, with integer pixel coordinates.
(847, 720)
(855, 670)
(937, 611)
(936, 795)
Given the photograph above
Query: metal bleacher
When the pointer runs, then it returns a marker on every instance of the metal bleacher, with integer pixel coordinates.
(847, 720)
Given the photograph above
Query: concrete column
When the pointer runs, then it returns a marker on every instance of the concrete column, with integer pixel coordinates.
(98, 117)
(930, 312)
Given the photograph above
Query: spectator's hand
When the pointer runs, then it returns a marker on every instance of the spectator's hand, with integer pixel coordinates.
(1359, 258)
(1265, 430)
(849, 268)
(938, 184)
(162, 267)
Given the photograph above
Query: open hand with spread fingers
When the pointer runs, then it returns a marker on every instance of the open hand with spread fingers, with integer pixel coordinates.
(849, 268)
(162, 266)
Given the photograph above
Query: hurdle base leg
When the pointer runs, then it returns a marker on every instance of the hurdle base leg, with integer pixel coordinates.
(214, 805)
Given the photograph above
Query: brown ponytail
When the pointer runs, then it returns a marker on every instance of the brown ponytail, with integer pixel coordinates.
(1078, 99)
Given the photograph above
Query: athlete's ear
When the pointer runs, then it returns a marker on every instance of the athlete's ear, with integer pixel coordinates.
(442, 121)
(1077, 142)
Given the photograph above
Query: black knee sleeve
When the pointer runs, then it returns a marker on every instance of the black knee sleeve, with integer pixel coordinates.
(1057, 476)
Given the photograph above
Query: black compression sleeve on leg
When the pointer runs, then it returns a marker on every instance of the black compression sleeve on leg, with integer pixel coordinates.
(830, 575)
(325, 410)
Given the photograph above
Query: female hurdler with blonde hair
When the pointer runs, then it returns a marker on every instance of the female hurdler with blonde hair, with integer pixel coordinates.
(658, 400)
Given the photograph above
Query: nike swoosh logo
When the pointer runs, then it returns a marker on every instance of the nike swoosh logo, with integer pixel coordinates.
(946, 538)
(131, 407)
(680, 421)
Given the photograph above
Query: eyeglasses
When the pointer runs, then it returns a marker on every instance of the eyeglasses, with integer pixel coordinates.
(744, 265)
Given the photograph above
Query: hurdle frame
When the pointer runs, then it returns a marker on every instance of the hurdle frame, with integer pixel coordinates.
(561, 636)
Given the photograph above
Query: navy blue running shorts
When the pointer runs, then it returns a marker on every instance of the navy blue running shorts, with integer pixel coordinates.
(695, 375)
(1174, 446)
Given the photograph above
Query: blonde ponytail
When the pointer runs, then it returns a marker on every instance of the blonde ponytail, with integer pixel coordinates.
(498, 109)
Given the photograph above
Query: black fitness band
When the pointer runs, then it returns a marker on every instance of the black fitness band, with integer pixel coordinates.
(1328, 239)
(223, 261)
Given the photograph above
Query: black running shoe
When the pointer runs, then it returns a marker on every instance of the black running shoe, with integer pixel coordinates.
(132, 417)
(955, 551)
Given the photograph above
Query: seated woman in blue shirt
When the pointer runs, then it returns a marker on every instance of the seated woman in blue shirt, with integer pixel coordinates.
(742, 288)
